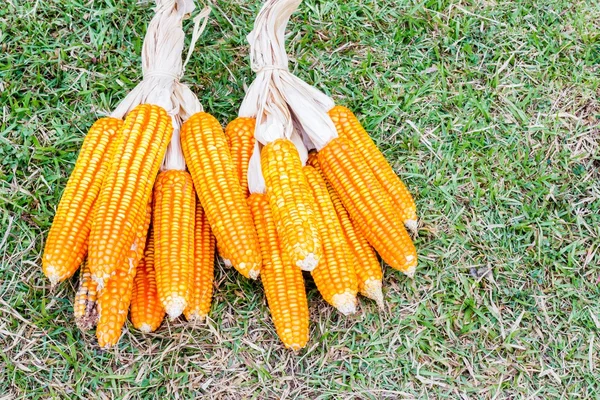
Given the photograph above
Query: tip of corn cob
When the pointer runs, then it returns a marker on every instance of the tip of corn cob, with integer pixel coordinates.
(195, 317)
(145, 328)
(410, 271)
(295, 346)
(52, 274)
(345, 303)
(411, 226)
(87, 322)
(372, 290)
(309, 263)
(254, 273)
(175, 306)
(227, 262)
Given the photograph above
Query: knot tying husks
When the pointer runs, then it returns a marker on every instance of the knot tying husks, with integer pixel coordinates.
(162, 68)
(278, 98)
(265, 68)
(162, 60)
(158, 73)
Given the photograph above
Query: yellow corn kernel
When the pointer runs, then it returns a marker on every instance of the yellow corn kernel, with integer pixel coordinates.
(84, 306)
(367, 266)
(368, 204)
(210, 163)
(203, 273)
(334, 276)
(67, 241)
(174, 209)
(291, 203)
(283, 282)
(115, 297)
(348, 126)
(139, 150)
(240, 137)
(146, 311)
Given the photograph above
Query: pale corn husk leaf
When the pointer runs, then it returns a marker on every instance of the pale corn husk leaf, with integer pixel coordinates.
(281, 102)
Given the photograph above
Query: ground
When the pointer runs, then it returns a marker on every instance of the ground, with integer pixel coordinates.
(488, 110)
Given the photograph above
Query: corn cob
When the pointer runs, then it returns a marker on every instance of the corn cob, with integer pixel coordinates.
(202, 274)
(368, 204)
(174, 208)
(291, 203)
(210, 163)
(146, 311)
(240, 140)
(139, 151)
(283, 282)
(115, 297)
(84, 306)
(67, 241)
(367, 266)
(113, 304)
(240, 137)
(334, 276)
(348, 126)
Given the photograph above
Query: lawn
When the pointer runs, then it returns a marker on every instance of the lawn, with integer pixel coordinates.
(489, 111)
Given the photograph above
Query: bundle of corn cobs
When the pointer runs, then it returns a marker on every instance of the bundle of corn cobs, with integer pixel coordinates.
(294, 183)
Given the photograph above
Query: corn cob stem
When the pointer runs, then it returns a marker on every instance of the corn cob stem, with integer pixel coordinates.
(67, 241)
(221, 196)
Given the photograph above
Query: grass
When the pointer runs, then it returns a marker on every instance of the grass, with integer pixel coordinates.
(489, 111)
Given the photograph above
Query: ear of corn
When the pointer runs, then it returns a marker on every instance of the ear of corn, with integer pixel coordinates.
(115, 297)
(67, 241)
(367, 266)
(203, 273)
(240, 140)
(334, 276)
(84, 306)
(139, 151)
(368, 204)
(291, 203)
(240, 137)
(147, 313)
(113, 305)
(210, 163)
(174, 209)
(283, 282)
(348, 126)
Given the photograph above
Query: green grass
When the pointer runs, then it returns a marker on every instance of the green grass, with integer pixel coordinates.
(489, 111)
